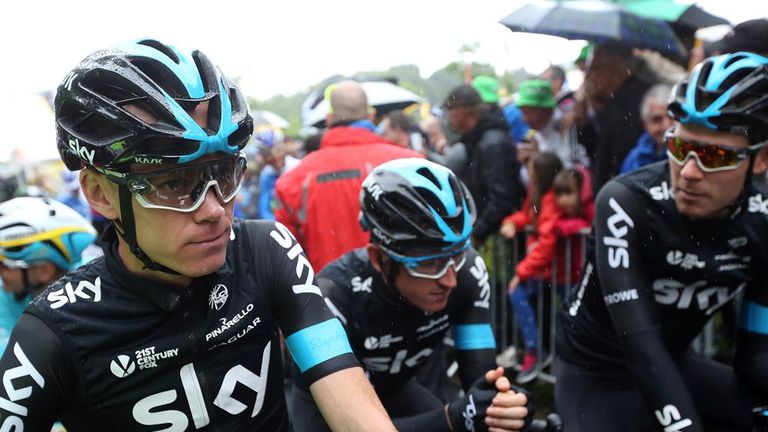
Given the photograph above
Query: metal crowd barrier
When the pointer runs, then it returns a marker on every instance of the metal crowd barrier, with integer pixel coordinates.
(502, 256)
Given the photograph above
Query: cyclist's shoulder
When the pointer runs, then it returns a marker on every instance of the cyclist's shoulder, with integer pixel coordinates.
(646, 187)
(349, 269)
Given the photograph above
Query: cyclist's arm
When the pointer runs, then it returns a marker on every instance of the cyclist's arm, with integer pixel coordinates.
(621, 241)
(36, 377)
(349, 403)
(751, 358)
(472, 332)
(315, 338)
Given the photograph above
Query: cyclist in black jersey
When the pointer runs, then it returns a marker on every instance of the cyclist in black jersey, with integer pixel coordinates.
(177, 327)
(399, 296)
(673, 243)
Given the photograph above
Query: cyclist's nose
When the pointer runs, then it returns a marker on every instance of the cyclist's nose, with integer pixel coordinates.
(690, 168)
(449, 279)
(212, 208)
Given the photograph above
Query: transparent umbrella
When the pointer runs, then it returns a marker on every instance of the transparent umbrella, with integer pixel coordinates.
(384, 96)
(596, 21)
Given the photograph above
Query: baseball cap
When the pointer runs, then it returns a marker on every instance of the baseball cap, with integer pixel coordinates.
(488, 87)
(535, 93)
(749, 36)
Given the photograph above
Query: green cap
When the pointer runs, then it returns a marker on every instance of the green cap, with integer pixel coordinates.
(488, 87)
(584, 53)
(535, 93)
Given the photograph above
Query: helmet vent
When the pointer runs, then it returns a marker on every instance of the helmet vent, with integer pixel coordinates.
(162, 48)
(90, 126)
(432, 200)
(427, 173)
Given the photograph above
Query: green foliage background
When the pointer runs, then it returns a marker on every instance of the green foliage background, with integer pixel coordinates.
(434, 88)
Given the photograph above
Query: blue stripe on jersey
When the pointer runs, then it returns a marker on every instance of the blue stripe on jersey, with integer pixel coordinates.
(315, 344)
(755, 318)
(473, 336)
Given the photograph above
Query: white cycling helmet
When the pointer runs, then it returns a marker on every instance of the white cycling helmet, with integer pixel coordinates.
(34, 229)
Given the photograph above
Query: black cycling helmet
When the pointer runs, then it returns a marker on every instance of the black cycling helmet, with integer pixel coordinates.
(413, 205)
(94, 128)
(728, 93)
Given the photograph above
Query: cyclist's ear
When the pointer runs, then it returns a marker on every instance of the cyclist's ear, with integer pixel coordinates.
(101, 194)
(375, 257)
(761, 162)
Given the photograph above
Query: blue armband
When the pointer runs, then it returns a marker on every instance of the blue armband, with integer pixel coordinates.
(315, 344)
(474, 337)
(754, 318)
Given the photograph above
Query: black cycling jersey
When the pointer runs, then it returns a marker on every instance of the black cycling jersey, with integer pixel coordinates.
(653, 278)
(393, 339)
(102, 349)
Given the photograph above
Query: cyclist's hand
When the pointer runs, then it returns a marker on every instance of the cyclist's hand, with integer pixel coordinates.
(509, 410)
(508, 230)
(468, 413)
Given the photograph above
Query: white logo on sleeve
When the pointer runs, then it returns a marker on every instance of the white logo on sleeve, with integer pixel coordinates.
(122, 366)
(285, 239)
(669, 414)
(619, 225)
(15, 394)
(218, 297)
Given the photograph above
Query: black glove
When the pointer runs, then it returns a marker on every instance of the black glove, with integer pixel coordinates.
(528, 404)
(468, 413)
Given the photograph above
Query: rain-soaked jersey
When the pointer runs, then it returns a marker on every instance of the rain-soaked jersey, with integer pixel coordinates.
(392, 339)
(102, 349)
(656, 269)
(653, 278)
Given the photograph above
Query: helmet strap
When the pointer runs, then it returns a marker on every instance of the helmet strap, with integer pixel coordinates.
(127, 230)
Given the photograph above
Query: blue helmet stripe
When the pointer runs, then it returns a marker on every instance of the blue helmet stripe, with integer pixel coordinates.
(409, 171)
(208, 143)
(186, 70)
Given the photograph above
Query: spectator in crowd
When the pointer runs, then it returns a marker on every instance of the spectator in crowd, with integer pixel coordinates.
(749, 36)
(540, 210)
(318, 200)
(492, 171)
(398, 128)
(518, 128)
(275, 162)
(536, 101)
(577, 208)
(432, 127)
(650, 146)
(563, 95)
(608, 110)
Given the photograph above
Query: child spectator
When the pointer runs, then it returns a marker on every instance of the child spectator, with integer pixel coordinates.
(540, 209)
(577, 211)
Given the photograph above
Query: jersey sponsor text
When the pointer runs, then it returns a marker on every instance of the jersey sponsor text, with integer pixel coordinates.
(68, 294)
(618, 224)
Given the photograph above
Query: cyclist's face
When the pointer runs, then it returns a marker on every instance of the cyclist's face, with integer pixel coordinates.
(195, 243)
(12, 279)
(430, 295)
(703, 195)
